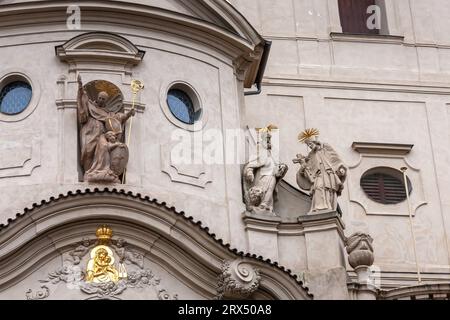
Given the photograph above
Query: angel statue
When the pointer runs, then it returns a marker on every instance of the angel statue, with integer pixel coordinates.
(261, 177)
(322, 172)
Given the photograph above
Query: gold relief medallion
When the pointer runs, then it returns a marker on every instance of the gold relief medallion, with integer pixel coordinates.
(101, 267)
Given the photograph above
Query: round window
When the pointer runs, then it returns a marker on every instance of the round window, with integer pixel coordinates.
(182, 107)
(15, 97)
(385, 185)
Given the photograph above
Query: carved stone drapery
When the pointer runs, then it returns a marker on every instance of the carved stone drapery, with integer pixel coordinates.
(261, 176)
(322, 172)
(104, 155)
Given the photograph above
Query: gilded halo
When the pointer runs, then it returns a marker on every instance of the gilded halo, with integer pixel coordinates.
(308, 134)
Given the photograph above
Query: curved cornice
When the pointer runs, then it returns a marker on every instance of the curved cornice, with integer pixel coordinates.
(171, 237)
(229, 32)
(102, 46)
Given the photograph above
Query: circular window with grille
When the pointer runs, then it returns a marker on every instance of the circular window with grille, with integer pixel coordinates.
(385, 185)
(15, 96)
(182, 105)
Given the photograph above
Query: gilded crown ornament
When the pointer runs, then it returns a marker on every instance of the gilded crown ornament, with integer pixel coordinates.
(308, 134)
(104, 234)
(101, 267)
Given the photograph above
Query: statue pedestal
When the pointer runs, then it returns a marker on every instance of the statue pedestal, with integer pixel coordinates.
(324, 238)
(363, 288)
(326, 274)
(262, 234)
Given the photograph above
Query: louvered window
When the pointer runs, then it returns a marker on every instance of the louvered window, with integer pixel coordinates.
(385, 185)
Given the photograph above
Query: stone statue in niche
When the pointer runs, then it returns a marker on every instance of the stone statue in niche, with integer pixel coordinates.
(261, 176)
(104, 155)
(322, 172)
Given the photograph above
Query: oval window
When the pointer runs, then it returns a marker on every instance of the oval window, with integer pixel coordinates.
(182, 107)
(385, 185)
(15, 97)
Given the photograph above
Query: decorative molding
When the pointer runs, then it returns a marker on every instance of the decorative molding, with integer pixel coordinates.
(387, 155)
(229, 33)
(261, 222)
(382, 148)
(38, 295)
(365, 38)
(100, 48)
(92, 53)
(197, 175)
(180, 244)
(323, 221)
(72, 104)
(439, 291)
(20, 155)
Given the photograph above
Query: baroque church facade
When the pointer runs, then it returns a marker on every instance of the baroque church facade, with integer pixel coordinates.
(213, 149)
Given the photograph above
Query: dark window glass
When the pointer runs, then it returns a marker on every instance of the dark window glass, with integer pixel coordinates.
(181, 106)
(15, 97)
(354, 16)
(385, 188)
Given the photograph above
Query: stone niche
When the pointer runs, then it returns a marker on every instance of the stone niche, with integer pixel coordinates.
(101, 59)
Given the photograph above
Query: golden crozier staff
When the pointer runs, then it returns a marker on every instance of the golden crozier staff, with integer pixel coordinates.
(136, 86)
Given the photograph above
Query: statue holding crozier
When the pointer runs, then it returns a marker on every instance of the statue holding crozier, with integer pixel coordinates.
(103, 152)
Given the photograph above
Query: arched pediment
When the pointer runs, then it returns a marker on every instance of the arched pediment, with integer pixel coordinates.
(100, 46)
(36, 247)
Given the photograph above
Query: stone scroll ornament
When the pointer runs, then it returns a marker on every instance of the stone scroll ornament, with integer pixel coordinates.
(103, 150)
(102, 268)
(261, 176)
(238, 280)
(322, 172)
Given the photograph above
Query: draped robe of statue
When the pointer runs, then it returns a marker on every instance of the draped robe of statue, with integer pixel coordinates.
(324, 177)
(94, 122)
(100, 170)
(260, 194)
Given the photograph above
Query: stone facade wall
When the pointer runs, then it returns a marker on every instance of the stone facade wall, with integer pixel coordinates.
(379, 89)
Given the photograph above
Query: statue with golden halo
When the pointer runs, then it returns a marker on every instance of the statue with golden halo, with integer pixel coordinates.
(322, 172)
(261, 176)
(101, 267)
(104, 151)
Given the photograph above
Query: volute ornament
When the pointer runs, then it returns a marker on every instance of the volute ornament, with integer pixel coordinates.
(238, 280)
